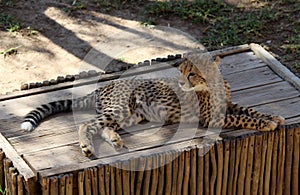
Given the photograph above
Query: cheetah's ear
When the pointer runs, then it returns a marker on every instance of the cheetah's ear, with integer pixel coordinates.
(217, 61)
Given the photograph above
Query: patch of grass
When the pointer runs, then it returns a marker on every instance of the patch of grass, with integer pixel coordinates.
(10, 51)
(197, 11)
(2, 191)
(292, 44)
(9, 23)
(225, 25)
(239, 29)
(7, 2)
(78, 5)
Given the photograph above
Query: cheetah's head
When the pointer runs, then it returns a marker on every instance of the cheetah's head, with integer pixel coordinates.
(194, 77)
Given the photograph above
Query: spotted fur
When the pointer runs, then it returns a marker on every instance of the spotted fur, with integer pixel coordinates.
(125, 103)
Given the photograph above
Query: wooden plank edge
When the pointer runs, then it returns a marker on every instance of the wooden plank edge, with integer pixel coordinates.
(105, 77)
(87, 81)
(275, 65)
(230, 50)
(18, 162)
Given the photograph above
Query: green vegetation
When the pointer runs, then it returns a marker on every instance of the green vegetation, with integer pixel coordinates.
(10, 51)
(9, 23)
(3, 192)
(6, 2)
(225, 25)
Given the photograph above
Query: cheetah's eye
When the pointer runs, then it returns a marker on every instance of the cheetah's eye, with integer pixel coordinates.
(191, 75)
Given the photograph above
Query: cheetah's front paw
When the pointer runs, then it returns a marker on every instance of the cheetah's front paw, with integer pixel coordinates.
(271, 126)
(116, 141)
(113, 138)
(278, 119)
(87, 150)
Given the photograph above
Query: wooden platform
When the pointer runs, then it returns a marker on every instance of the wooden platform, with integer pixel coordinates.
(159, 160)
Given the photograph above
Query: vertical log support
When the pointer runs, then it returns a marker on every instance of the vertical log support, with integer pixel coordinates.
(267, 163)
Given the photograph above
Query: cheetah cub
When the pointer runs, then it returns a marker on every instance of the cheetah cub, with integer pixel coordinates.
(124, 103)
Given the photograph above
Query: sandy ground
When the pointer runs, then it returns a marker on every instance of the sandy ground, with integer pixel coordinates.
(66, 44)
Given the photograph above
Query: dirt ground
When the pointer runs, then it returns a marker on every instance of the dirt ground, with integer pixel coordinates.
(56, 38)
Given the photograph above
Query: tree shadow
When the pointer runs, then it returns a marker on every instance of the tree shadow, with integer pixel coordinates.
(35, 17)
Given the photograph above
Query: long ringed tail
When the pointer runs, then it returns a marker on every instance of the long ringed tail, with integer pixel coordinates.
(34, 117)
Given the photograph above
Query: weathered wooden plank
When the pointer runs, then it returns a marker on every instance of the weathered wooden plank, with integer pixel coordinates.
(247, 64)
(238, 58)
(103, 149)
(252, 78)
(287, 108)
(17, 160)
(265, 94)
(281, 70)
(292, 120)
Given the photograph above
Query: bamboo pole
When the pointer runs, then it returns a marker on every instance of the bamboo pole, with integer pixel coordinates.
(46, 186)
(81, 183)
(220, 168)
(87, 182)
(206, 170)
(249, 165)
(237, 164)
(180, 164)
(69, 184)
(257, 163)
(126, 177)
(263, 164)
(101, 175)
(226, 167)
(107, 178)
(175, 174)
(243, 166)
(187, 165)
(267, 179)
(288, 162)
(231, 166)
(140, 175)
(160, 187)
(274, 164)
(200, 172)
(119, 190)
(281, 159)
(133, 173)
(94, 175)
(112, 179)
(2, 178)
(154, 176)
(296, 157)
(62, 184)
(193, 182)
(147, 175)
(14, 176)
(54, 185)
(8, 183)
(168, 174)
(213, 170)
(20, 185)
